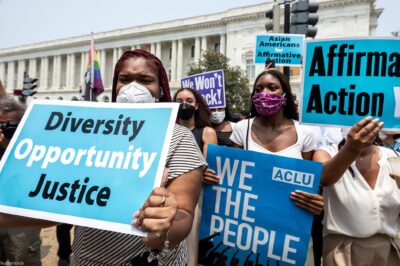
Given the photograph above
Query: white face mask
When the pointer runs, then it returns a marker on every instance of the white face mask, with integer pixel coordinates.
(217, 117)
(135, 93)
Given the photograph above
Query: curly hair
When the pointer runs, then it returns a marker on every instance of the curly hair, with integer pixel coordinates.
(8, 105)
(152, 59)
(202, 114)
(289, 109)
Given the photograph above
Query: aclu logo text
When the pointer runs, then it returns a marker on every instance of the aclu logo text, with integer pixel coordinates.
(292, 177)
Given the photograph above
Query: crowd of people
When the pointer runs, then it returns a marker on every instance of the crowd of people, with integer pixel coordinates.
(359, 199)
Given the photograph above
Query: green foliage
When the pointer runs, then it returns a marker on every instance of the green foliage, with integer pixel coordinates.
(236, 82)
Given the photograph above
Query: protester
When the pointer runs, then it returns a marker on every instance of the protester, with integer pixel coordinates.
(220, 121)
(362, 201)
(167, 214)
(17, 244)
(64, 243)
(273, 128)
(194, 114)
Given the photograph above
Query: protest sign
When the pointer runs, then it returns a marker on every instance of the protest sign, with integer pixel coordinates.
(85, 163)
(284, 49)
(249, 215)
(345, 80)
(210, 85)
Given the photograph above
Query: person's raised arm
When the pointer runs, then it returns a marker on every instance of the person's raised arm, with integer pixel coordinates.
(361, 136)
(209, 137)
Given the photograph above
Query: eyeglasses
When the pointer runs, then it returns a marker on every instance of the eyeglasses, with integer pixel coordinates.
(9, 128)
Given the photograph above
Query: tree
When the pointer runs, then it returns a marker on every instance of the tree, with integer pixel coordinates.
(237, 93)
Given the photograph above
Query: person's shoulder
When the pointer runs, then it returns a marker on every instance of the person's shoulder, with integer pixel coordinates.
(208, 130)
(243, 123)
(303, 128)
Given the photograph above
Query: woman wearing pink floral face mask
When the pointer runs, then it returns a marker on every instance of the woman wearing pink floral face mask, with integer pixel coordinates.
(273, 128)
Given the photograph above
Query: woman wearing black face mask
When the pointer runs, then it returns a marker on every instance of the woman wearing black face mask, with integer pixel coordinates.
(194, 114)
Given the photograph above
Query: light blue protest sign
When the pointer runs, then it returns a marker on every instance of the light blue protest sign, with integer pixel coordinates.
(249, 216)
(210, 85)
(85, 163)
(345, 80)
(284, 49)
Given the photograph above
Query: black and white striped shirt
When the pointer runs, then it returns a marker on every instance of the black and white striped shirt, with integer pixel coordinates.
(99, 247)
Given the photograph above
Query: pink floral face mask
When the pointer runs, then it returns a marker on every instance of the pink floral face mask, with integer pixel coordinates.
(268, 104)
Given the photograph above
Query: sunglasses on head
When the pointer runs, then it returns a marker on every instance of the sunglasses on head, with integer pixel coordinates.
(9, 128)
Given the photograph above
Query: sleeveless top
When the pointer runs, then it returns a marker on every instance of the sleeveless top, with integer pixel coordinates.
(198, 136)
(100, 247)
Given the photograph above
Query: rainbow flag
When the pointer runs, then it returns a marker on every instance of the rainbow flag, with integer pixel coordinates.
(93, 83)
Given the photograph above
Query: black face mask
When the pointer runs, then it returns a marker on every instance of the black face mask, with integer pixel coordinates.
(186, 111)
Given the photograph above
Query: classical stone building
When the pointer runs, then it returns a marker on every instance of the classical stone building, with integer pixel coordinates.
(60, 64)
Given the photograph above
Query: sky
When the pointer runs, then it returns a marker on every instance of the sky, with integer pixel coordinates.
(32, 21)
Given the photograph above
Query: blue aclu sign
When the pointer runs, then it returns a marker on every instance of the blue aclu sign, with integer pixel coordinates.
(348, 79)
(284, 49)
(249, 218)
(90, 164)
(210, 85)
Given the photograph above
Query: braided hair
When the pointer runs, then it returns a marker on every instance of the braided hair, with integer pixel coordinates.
(152, 59)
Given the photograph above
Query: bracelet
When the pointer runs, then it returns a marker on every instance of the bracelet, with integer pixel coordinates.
(160, 256)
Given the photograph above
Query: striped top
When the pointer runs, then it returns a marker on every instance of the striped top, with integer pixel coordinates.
(99, 247)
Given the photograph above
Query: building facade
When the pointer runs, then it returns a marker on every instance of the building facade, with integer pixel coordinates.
(60, 65)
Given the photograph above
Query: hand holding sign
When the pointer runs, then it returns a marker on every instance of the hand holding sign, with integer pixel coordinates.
(313, 203)
(156, 216)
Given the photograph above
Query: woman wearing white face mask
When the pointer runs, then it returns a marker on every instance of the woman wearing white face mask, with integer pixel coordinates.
(223, 127)
(167, 214)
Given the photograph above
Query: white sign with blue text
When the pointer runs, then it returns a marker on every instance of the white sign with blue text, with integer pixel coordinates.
(249, 218)
(210, 85)
(345, 80)
(85, 163)
(284, 49)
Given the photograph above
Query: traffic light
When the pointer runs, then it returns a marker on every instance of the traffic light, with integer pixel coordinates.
(274, 15)
(304, 15)
(29, 86)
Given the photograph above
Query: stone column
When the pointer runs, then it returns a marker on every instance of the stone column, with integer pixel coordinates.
(179, 62)
(153, 48)
(44, 72)
(83, 69)
(203, 44)
(115, 56)
(103, 64)
(197, 49)
(10, 75)
(120, 52)
(20, 76)
(32, 71)
(222, 44)
(2, 74)
(173, 61)
(56, 72)
(68, 72)
(72, 72)
(158, 50)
